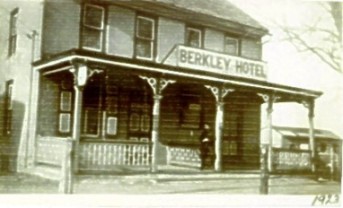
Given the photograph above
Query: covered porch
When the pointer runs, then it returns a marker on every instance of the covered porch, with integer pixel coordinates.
(119, 113)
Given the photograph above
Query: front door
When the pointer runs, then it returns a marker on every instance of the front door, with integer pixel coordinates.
(139, 115)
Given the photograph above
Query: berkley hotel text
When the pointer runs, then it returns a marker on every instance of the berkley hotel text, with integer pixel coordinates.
(220, 63)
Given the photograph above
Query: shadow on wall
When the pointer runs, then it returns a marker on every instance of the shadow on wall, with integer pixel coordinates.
(9, 143)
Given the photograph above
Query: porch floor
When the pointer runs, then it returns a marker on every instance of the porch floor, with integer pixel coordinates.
(168, 170)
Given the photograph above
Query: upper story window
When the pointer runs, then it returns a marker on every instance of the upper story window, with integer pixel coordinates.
(13, 33)
(194, 37)
(93, 27)
(231, 45)
(145, 37)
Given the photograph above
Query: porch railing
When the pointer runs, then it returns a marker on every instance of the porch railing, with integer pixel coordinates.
(291, 160)
(107, 155)
(57, 152)
(184, 156)
(52, 150)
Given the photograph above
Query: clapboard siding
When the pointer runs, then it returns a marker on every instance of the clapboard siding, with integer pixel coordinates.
(242, 125)
(171, 128)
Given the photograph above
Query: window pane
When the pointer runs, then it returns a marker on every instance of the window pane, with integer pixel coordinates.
(8, 122)
(93, 17)
(144, 48)
(91, 38)
(64, 124)
(190, 111)
(145, 123)
(9, 96)
(13, 22)
(134, 122)
(193, 38)
(111, 104)
(12, 45)
(145, 28)
(231, 46)
(91, 121)
(65, 101)
(111, 126)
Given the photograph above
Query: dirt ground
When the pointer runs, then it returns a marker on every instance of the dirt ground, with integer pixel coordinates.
(144, 184)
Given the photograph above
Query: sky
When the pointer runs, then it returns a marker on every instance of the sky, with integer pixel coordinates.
(289, 67)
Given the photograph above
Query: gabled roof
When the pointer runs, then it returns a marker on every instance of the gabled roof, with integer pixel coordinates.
(218, 8)
(304, 132)
(217, 13)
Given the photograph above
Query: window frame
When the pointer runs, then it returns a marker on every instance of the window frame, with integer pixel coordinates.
(139, 110)
(100, 29)
(191, 104)
(8, 108)
(104, 117)
(238, 45)
(201, 36)
(152, 39)
(13, 32)
(65, 87)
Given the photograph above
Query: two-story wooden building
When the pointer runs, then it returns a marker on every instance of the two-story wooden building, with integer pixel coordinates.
(133, 82)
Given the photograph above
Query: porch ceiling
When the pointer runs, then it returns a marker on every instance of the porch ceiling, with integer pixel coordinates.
(64, 60)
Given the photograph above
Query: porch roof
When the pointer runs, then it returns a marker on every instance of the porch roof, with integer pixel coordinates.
(63, 61)
(304, 132)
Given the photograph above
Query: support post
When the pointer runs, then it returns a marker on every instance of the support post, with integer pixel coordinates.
(332, 162)
(66, 182)
(270, 133)
(269, 99)
(157, 85)
(77, 124)
(310, 106)
(266, 153)
(219, 94)
(264, 175)
(81, 74)
(219, 136)
(155, 131)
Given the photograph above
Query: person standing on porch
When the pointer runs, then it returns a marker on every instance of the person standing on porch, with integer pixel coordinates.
(204, 144)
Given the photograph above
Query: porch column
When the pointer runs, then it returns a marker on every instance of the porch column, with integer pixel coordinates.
(269, 99)
(77, 125)
(81, 74)
(219, 94)
(309, 104)
(157, 85)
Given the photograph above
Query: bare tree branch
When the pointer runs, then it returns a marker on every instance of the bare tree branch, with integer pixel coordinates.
(323, 42)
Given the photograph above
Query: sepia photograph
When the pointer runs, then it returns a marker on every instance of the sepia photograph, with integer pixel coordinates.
(171, 103)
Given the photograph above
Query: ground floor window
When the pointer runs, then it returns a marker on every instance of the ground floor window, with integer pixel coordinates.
(191, 109)
(100, 108)
(8, 107)
(65, 107)
(139, 115)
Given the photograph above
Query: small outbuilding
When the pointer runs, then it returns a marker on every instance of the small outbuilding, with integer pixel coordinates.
(328, 148)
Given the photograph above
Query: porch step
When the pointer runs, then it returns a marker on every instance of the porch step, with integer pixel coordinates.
(48, 172)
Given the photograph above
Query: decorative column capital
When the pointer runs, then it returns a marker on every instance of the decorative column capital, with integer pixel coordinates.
(309, 104)
(157, 84)
(270, 99)
(82, 73)
(219, 93)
